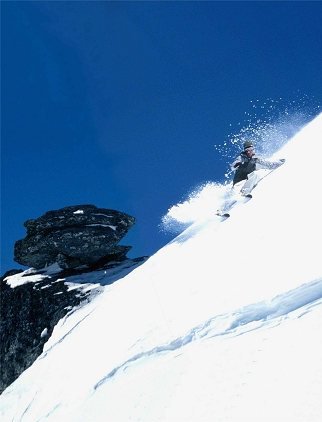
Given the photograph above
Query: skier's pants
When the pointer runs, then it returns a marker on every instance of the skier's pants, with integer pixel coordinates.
(251, 182)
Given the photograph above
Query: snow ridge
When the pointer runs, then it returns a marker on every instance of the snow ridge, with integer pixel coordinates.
(279, 306)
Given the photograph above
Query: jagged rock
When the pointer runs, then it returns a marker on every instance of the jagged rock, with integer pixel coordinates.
(32, 302)
(73, 236)
(80, 239)
(28, 315)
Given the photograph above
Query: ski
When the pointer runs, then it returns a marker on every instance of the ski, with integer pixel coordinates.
(241, 199)
(248, 196)
(223, 215)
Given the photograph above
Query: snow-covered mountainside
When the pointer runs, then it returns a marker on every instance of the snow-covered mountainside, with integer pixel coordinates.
(222, 324)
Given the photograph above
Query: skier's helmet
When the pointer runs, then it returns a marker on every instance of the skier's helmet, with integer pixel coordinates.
(248, 144)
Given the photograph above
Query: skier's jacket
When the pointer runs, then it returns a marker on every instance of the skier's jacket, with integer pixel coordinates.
(245, 165)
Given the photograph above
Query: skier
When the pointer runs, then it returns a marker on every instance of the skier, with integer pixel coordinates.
(246, 166)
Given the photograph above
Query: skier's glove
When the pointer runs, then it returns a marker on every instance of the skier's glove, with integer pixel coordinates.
(237, 165)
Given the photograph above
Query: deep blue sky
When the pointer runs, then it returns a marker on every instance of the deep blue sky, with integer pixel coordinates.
(119, 104)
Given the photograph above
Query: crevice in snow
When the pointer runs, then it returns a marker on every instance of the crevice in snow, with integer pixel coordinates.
(45, 353)
(225, 324)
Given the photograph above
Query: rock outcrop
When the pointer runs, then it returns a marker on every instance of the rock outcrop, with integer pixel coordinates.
(32, 302)
(73, 253)
(28, 315)
(74, 236)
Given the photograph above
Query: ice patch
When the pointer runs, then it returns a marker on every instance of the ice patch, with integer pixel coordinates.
(102, 225)
(44, 333)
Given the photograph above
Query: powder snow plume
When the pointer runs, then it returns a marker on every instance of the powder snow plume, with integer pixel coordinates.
(201, 204)
(269, 126)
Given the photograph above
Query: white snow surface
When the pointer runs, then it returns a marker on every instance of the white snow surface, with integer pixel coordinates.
(223, 324)
(102, 225)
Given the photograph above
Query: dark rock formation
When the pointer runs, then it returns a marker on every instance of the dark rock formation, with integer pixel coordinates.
(74, 236)
(30, 310)
(28, 315)
(83, 241)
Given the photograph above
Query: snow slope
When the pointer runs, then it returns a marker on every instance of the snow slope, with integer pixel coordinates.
(222, 324)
